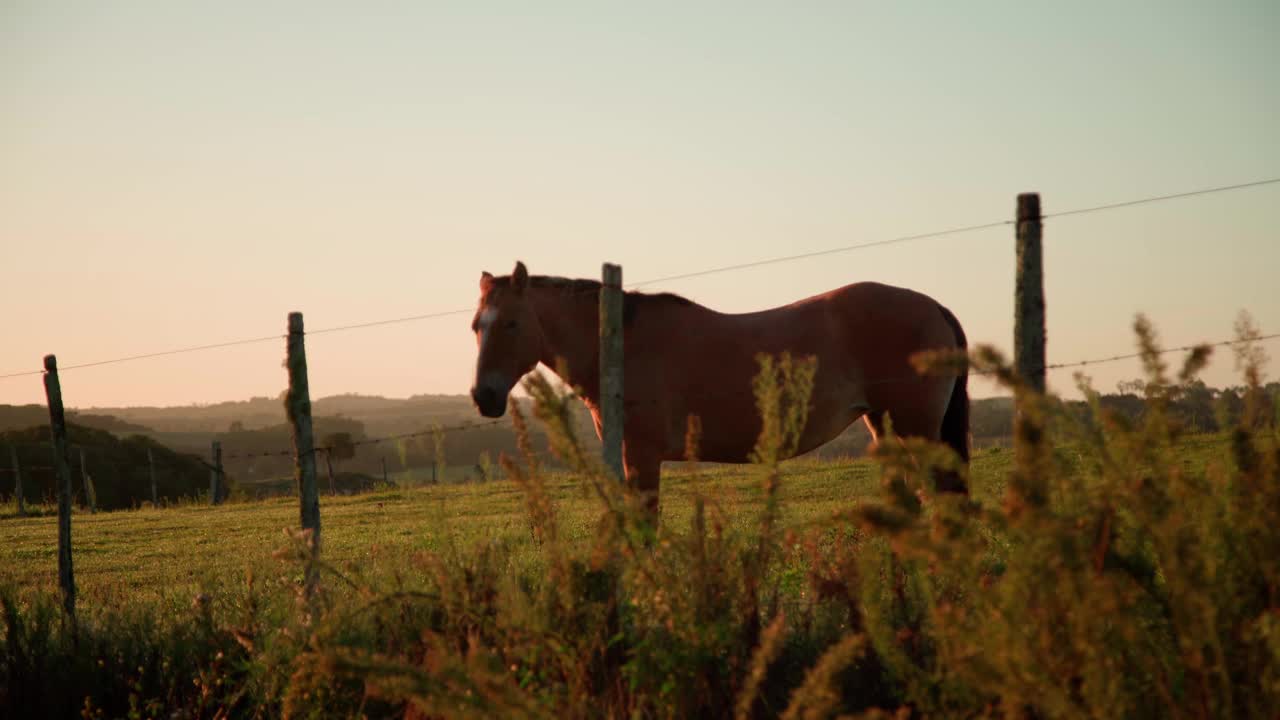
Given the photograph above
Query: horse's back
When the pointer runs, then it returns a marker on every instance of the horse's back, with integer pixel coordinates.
(862, 335)
(884, 326)
(866, 326)
(874, 302)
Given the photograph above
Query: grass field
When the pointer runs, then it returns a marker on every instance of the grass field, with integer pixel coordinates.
(1108, 568)
(143, 554)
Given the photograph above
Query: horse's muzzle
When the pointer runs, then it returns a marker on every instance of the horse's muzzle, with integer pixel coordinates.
(490, 402)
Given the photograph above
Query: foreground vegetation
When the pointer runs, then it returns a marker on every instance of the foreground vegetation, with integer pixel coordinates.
(1111, 567)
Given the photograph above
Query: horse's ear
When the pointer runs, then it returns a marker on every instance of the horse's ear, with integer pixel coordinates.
(519, 277)
(486, 282)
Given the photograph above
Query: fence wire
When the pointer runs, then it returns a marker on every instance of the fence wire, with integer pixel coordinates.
(466, 427)
(698, 273)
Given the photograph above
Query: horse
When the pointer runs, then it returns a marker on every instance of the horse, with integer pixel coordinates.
(682, 359)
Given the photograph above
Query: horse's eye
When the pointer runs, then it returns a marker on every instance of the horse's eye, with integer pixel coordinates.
(511, 325)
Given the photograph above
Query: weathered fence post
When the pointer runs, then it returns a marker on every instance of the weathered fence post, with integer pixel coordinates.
(384, 471)
(1027, 487)
(90, 493)
(1028, 317)
(611, 369)
(17, 481)
(438, 465)
(298, 408)
(151, 467)
(215, 474)
(58, 431)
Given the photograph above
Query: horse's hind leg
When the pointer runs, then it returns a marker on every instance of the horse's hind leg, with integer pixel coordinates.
(927, 425)
(875, 424)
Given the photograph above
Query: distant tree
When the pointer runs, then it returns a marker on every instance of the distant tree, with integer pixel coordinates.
(1131, 387)
(1195, 405)
(991, 417)
(337, 446)
(236, 427)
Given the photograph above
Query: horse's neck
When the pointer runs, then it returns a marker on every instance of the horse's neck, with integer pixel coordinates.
(570, 333)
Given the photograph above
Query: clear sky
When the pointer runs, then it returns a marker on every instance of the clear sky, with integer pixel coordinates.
(182, 173)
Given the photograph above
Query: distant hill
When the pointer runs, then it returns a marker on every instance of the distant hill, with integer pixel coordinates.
(366, 419)
(257, 427)
(118, 467)
(254, 412)
(257, 444)
(19, 417)
(384, 416)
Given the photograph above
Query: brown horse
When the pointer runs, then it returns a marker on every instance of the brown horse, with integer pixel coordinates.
(682, 359)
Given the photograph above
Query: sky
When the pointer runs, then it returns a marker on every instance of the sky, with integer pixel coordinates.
(177, 174)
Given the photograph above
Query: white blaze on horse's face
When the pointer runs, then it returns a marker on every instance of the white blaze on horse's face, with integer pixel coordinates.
(508, 340)
(484, 325)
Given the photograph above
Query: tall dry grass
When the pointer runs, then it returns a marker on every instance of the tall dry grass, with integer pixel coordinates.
(1112, 580)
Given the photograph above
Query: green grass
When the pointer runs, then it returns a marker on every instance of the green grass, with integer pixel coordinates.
(1107, 567)
(147, 553)
(834, 589)
(138, 556)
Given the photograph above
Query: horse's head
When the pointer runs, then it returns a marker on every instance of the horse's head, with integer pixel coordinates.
(509, 338)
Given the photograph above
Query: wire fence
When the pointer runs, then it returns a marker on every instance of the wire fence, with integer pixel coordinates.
(467, 427)
(669, 278)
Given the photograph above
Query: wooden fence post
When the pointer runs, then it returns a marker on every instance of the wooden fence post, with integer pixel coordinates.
(90, 493)
(17, 481)
(1028, 318)
(611, 368)
(215, 474)
(298, 408)
(438, 464)
(1026, 487)
(58, 431)
(384, 471)
(151, 467)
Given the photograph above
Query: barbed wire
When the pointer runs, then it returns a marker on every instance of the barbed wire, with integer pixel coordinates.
(1160, 198)
(682, 276)
(466, 427)
(144, 356)
(1183, 348)
(645, 283)
(820, 253)
(1099, 360)
(392, 321)
(1183, 440)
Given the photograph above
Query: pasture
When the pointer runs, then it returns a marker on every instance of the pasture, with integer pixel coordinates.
(802, 589)
(176, 553)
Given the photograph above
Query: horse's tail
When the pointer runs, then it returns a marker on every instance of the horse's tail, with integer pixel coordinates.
(955, 421)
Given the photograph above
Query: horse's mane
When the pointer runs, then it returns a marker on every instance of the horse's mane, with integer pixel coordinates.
(632, 302)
